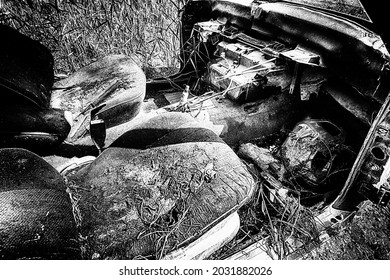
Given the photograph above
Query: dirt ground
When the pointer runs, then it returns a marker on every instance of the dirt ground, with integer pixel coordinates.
(367, 237)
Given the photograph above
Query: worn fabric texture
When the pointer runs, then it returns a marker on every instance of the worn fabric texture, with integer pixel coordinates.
(144, 202)
(36, 219)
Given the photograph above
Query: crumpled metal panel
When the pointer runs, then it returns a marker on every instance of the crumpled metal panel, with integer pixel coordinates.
(349, 50)
(236, 12)
(370, 173)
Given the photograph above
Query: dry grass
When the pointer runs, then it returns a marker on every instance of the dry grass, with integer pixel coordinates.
(291, 226)
(286, 227)
(81, 31)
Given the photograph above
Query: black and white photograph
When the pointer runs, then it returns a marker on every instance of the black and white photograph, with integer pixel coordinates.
(239, 132)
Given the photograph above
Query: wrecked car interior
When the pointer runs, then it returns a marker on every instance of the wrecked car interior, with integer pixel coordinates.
(278, 108)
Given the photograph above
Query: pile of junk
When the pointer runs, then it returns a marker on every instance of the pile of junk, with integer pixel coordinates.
(273, 132)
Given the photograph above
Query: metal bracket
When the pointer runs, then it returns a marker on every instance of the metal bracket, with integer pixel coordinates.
(379, 196)
(296, 79)
(384, 196)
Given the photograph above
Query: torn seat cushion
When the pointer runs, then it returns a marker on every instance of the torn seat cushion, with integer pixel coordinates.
(113, 87)
(158, 187)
